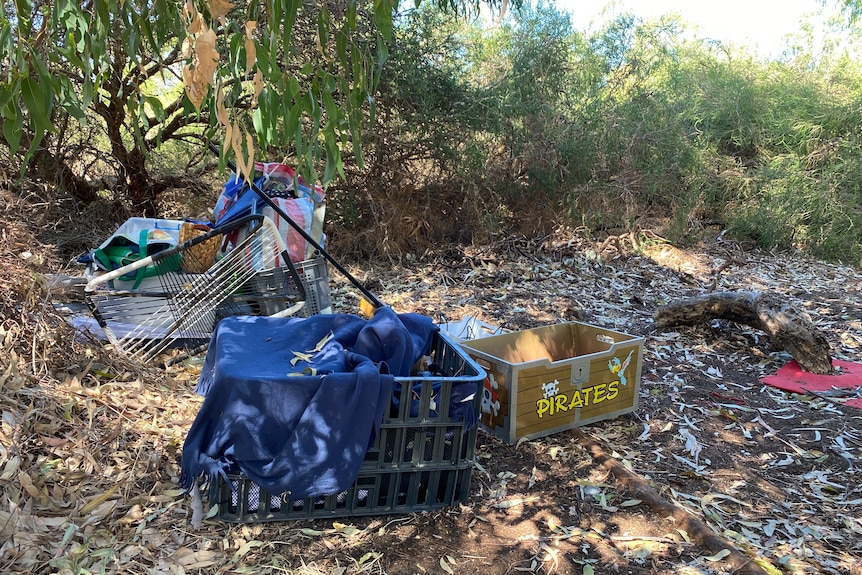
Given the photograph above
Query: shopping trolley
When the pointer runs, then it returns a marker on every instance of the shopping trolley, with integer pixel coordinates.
(180, 305)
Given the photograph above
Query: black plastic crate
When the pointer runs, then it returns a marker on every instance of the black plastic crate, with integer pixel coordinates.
(315, 278)
(274, 291)
(422, 457)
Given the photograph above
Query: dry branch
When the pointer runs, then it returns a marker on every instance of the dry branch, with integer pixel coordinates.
(789, 327)
(632, 237)
(699, 532)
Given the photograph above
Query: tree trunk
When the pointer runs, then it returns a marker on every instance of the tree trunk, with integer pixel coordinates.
(789, 327)
(48, 167)
(140, 188)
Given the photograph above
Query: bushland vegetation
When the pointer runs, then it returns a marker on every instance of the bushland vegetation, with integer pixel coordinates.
(531, 124)
(522, 124)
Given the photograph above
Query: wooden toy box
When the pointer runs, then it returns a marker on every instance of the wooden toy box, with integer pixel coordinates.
(550, 379)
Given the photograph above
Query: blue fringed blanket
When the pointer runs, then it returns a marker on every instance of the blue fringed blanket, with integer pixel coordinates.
(287, 430)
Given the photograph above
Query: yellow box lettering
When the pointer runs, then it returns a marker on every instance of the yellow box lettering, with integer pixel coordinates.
(560, 403)
(580, 398)
(599, 393)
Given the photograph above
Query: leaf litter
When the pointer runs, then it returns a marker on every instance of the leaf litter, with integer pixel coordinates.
(89, 446)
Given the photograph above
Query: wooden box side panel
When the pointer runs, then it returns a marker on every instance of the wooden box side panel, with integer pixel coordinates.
(542, 403)
(614, 384)
(496, 397)
(540, 397)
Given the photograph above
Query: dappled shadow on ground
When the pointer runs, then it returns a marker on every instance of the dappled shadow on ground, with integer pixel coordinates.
(89, 444)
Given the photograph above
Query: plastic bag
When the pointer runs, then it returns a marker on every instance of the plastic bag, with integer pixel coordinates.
(301, 203)
(136, 239)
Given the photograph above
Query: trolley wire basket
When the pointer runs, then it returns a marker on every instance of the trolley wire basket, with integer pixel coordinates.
(176, 308)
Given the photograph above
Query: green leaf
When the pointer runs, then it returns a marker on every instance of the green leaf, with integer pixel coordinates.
(289, 18)
(356, 64)
(332, 110)
(309, 170)
(292, 127)
(323, 25)
(156, 105)
(260, 126)
(133, 39)
(264, 64)
(311, 106)
(41, 66)
(38, 101)
(23, 9)
(341, 41)
(12, 130)
(383, 17)
(293, 87)
(333, 158)
(6, 41)
(104, 13)
(146, 27)
(382, 57)
(68, 533)
(237, 55)
(351, 15)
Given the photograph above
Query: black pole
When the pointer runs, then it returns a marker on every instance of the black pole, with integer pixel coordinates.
(370, 296)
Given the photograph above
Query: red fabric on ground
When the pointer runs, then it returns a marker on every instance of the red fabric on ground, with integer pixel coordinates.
(793, 378)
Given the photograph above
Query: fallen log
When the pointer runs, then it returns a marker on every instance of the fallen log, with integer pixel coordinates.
(789, 327)
(699, 532)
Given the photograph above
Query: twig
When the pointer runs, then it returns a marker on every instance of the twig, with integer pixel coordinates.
(197, 507)
(632, 237)
(732, 259)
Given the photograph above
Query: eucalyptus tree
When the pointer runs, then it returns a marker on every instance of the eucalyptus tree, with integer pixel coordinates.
(851, 8)
(289, 77)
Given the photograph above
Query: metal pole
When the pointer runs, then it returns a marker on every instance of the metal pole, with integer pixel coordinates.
(370, 296)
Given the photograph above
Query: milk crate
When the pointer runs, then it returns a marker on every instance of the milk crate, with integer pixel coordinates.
(315, 277)
(549, 379)
(421, 460)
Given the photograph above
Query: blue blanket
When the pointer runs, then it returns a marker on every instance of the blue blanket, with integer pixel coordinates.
(287, 428)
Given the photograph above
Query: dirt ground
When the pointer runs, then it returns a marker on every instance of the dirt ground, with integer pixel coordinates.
(714, 473)
(773, 474)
